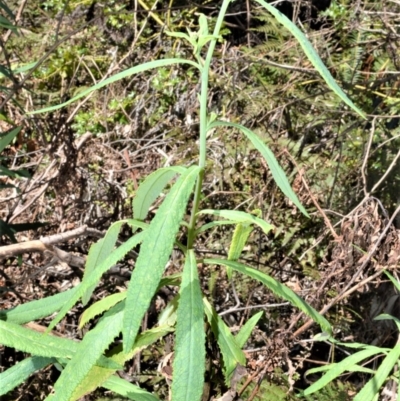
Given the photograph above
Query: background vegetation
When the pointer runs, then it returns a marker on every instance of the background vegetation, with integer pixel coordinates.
(84, 163)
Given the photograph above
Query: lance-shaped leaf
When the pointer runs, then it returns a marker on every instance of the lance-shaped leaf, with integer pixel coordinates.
(154, 254)
(100, 307)
(231, 352)
(97, 253)
(88, 353)
(99, 375)
(151, 188)
(33, 342)
(189, 360)
(374, 385)
(276, 170)
(246, 330)
(337, 369)
(311, 55)
(6, 138)
(240, 217)
(18, 373)
(36, 309)
(129, 390)
(277, 288)
(94, 277)
(124, 74)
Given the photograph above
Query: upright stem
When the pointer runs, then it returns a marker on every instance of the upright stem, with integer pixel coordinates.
(204, 123)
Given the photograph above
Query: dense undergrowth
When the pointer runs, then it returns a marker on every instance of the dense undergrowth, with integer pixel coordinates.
(85, 162)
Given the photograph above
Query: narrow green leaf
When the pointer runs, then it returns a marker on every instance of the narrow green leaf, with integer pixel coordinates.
(190, 355)
(180, 35)
(5, 72)
(26, 340)
(3, 6)
(213, 224)
(277, 288)
(95, 276)
(14, 173)
(203, 25)
(137, 224)
(386, 316)
(97, 253)
(6, 138)
(99, 375)
(36, 309)
(239, 217)
(6, 24)
(100, 307)
(88, 352)
(393, 280)
(126, 389)
(154, 253)
(150, 189)
(231, 352)
(18, 68)
(276, 170)
(246, 330)
(124, 74)
(18, 373)
(239, 239)
(353, 368)
(375, 383)
(341, 367)
(311, 55)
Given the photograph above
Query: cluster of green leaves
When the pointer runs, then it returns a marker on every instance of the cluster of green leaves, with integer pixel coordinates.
(353, 363)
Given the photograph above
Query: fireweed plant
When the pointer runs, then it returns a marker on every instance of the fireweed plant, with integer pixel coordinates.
(92, 362)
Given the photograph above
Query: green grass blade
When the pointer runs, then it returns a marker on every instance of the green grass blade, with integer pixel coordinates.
(95, 276)
(393, 280)
(124, 74)
(231, 353)
(341, 367)
(3, 6)
(150, 189)
(276, 170)
(97, 253)
(6, 138)
(375, 383)
(154, 253)
(311, 55)
(246, 330)
(89, 351)
(100, 307)
(39, 309)
(239, 217)
(6, 24)
(386, 316)
(35, 343)
(189, 361)
(18, 373)
(277, 288)
(129, 390)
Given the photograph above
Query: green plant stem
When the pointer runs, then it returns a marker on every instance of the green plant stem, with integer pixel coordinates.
(204, 77)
